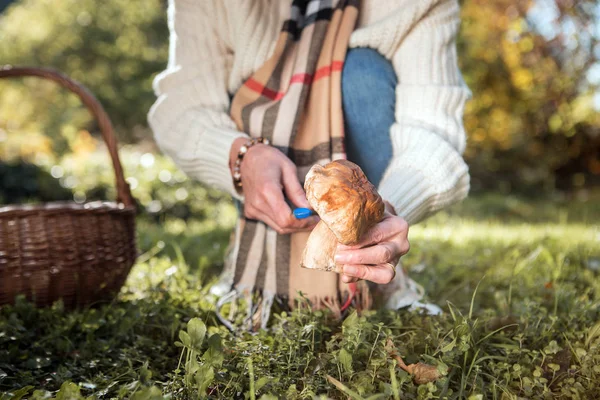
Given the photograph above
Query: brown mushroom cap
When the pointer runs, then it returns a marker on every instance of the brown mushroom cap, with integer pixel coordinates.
(344, 199)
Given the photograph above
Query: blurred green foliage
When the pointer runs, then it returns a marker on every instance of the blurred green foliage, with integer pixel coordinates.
(113, 47)
(160, 189)
(531, 122)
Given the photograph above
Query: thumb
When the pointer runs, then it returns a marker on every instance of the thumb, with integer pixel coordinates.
(293, 189)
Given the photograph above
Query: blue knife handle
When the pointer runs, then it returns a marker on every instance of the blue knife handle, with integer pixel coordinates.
(301, 213)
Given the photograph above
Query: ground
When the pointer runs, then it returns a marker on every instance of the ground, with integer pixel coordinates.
(518, 281)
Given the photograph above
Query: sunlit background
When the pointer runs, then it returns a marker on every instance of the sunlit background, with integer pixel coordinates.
(533, 122)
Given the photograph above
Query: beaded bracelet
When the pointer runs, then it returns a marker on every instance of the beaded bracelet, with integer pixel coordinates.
(237, 167)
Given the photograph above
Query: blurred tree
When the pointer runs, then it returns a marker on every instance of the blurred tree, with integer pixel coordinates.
(113, 47)
(532, 119)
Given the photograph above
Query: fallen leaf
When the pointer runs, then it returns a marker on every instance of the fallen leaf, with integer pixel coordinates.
(421, 373)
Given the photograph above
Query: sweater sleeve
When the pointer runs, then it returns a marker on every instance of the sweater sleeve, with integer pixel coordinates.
(189, 118)
(427, 171)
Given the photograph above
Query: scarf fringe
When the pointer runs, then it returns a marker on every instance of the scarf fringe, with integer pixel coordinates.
(259, 306)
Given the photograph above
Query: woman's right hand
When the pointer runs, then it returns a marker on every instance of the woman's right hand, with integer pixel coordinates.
(268, 174)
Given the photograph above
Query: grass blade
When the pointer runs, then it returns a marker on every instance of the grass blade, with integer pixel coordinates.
(473, 298)
(343, 388)
(395, 388)
(251, 377)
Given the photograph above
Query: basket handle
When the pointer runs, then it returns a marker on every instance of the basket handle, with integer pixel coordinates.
(93, 105)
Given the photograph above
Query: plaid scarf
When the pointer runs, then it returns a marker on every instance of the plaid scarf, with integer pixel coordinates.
(294, 100)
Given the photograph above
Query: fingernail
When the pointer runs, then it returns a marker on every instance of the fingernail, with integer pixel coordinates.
(341, 258)
(346, 278)
(350, 270)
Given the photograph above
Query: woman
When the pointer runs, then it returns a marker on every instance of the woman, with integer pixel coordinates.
(376, 82)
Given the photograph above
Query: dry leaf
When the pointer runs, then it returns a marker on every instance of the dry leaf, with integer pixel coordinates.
(421, 373)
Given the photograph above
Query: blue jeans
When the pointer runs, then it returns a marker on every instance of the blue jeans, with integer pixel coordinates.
(369, 99)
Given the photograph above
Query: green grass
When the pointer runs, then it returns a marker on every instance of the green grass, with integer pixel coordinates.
(519, 281)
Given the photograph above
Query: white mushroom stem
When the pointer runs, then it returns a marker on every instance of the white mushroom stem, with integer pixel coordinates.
(320, 250)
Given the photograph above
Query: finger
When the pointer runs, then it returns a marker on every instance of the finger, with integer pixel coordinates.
(376, 234)
(379, 254)
(292, 187)
(281, 213)
(274, 202)
(375, 273)
(307, 225)
(384, 230)
(263, 214)
(349, 279)
(257, 215)
(297, 225)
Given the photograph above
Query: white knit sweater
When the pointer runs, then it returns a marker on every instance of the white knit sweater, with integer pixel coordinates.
(217, 44)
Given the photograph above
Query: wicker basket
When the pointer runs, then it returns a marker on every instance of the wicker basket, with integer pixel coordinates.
(80, 253)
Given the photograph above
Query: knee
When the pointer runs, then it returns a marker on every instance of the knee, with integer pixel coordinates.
(359, 58)
(366, 72)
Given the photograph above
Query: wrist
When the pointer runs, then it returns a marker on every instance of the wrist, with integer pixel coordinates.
(235, 149)
(236, 162)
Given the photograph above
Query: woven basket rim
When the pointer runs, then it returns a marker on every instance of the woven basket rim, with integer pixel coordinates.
(61, 206)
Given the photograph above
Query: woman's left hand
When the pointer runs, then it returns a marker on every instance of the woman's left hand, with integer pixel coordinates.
(375, 257)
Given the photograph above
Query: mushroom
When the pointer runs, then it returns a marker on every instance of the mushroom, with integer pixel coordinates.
(348, 205)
